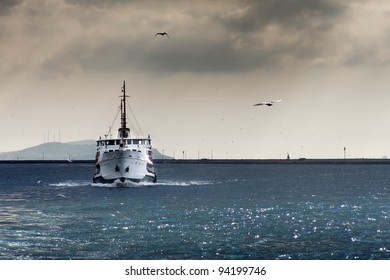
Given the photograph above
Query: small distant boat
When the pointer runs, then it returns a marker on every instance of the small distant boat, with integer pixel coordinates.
(124, 158)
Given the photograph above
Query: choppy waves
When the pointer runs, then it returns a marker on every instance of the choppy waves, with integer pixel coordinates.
(119, 184)
(199, 212)
(71, 183)
(150, 184)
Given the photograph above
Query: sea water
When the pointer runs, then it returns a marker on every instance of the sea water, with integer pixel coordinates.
(197, 211)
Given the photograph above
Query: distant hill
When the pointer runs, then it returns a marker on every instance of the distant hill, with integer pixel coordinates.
(76, 150)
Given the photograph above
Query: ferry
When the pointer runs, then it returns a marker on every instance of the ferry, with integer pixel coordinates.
(125, 158)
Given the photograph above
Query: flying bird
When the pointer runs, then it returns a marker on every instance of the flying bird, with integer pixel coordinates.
(268, 103)
(162, 34)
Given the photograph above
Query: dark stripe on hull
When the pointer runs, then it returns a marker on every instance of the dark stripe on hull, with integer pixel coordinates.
(102, 180)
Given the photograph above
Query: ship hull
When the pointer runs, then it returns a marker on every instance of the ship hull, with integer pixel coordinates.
(123, 168)
(123, 180)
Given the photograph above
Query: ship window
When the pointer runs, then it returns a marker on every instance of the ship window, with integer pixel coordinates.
(136, 142)
(129, 142)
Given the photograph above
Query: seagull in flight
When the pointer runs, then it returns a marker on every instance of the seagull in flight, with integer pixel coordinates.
(268, 103)
(162, 34)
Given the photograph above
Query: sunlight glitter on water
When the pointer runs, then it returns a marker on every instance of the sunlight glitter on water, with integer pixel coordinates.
(199, 212)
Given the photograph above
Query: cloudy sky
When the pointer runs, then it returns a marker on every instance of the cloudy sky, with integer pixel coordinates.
(62, 64)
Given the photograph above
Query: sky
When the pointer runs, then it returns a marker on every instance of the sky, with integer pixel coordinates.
(63, 62)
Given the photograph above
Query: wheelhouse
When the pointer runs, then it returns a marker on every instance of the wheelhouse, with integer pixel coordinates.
(127, 142)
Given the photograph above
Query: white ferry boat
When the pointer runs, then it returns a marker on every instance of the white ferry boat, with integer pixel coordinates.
(125, 158)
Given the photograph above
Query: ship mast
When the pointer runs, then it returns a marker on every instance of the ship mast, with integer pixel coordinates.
(123, 107)
(124, 131)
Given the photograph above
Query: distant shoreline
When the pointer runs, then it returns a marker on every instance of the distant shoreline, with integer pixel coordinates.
(219, 161)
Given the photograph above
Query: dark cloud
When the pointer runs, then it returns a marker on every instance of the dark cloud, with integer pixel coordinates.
(236, 37)
(247, 41)
(96, 3)
(217, 56)
(6, 5)
(114, 55)
(299, 14)
(278, 29)
(118, 56)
